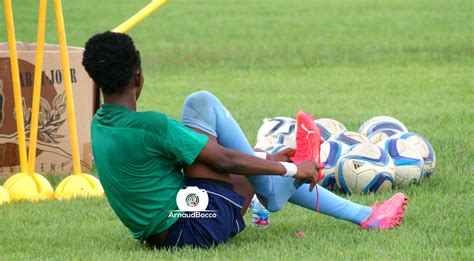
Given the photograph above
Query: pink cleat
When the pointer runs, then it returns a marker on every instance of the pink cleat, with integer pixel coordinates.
(387, 214)
(308, 140)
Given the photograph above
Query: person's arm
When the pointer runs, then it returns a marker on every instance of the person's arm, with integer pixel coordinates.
(188, 145)
(224, 160)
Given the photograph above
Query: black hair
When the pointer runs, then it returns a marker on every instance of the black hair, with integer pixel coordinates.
(111, 60)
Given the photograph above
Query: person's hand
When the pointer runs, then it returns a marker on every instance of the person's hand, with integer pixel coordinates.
(282, 155)
(308, 170)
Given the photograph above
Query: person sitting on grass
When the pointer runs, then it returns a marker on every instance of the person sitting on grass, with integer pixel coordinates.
(144, 159)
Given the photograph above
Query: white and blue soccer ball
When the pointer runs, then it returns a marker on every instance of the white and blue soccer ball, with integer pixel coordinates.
(424, 147)
(365, 168)
(331, 152)
(381, 135)
(277, 148)
(381, 122)
(350, 138)
(275, 126)
(407, 160)
(268, 143)
(329, 127)
(288, 140)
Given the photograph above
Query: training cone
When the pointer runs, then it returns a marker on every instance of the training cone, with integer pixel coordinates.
(4, 195)
(22, 186)
(79, 186)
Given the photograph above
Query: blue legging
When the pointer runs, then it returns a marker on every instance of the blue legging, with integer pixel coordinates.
(204, 111)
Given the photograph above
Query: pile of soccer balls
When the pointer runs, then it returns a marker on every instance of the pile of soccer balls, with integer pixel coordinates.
(380, 156)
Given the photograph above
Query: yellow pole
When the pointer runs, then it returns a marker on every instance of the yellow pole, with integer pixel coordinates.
(67, 87)
(16, 84)
(37, 86)
(140, 15)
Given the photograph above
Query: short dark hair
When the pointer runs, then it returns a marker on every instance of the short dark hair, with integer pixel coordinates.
(111, 59)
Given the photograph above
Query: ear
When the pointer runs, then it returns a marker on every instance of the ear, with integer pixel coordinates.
(138, 79)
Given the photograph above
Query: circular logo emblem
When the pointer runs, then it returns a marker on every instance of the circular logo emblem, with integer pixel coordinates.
(192, 200)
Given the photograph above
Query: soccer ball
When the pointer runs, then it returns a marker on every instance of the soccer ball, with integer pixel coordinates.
(270, 142)
(350, 138)
(275, 126)
(288, 140)
(365, 168)
(408, 161)
(277, 148)
(330, 154)
(329, 127)
(379, 123)
(425, 149)
(267, 143)
(381, 135)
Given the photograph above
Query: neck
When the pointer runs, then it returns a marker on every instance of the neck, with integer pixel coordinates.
(125, 100)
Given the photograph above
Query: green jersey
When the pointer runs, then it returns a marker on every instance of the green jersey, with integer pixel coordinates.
(139, 158)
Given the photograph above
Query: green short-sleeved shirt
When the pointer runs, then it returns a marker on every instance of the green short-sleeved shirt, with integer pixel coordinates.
(139, 158)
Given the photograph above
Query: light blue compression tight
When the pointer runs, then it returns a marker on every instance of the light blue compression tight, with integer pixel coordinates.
(204, 111)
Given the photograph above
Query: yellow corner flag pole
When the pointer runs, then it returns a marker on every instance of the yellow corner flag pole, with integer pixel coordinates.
(16, 85)
(37, 86)
(27, 184)
(68, 87)
(140, 15)
(78, 184)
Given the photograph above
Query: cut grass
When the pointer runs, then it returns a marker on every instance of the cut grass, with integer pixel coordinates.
(345, 60)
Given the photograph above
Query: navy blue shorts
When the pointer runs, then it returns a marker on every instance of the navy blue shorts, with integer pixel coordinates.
(208, 232)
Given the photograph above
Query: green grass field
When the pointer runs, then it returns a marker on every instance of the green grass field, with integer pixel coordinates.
(347, 60)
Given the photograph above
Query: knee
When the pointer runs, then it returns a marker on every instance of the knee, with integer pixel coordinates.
(269, 203)
(200, 99)
(274, 208)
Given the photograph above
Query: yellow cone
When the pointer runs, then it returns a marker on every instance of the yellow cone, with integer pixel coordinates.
(4, 196)
(34, 187)
(79, 186)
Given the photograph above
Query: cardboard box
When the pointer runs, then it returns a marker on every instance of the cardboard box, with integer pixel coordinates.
(53, 149)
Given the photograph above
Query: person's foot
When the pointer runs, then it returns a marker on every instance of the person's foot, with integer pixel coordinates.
(387, 214)
(308, 140)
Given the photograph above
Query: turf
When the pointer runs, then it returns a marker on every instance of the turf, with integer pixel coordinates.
(347, 60)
